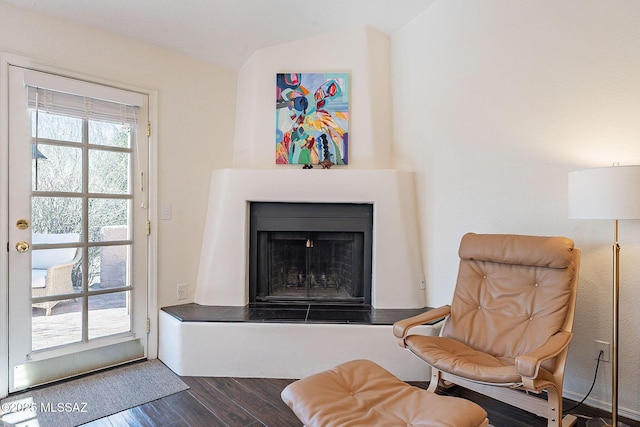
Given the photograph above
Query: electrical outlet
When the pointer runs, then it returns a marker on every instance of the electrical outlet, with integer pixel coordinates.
(605, 347)
(421, 283)
(165, 211)
(183, 291)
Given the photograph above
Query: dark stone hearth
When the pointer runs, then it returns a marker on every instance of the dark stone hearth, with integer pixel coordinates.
(283, 313)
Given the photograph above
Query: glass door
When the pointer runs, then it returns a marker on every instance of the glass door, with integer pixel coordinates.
(78, 240)
(336, 267)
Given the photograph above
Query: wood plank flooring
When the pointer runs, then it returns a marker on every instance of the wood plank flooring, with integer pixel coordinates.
(255, 402)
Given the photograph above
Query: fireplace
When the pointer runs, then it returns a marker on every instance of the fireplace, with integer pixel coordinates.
(396, 272)
(310, 252)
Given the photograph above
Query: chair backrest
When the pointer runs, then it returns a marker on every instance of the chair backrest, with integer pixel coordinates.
(513, 292)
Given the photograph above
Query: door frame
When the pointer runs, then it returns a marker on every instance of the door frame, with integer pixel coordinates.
(6, 60)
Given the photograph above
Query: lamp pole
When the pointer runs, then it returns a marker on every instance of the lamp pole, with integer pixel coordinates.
(616, 318)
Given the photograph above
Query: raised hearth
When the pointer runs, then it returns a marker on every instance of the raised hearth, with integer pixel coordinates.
(286, 313)
(283, 341)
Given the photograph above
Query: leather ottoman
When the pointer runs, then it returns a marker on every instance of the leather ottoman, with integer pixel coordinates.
(362, 393)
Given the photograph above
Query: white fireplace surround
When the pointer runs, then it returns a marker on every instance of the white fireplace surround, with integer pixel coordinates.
(397, 269)
(295, 350)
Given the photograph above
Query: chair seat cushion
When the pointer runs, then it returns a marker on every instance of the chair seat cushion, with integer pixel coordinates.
(459, 359)
(38, 278)
(47, 258)
(361, 393)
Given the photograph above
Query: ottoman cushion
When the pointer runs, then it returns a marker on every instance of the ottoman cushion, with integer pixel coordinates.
(361, 393)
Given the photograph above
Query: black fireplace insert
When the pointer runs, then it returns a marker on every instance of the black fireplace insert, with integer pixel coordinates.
(310, 252)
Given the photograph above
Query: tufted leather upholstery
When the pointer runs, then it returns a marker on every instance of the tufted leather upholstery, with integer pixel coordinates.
(511, 316)
(361, 393)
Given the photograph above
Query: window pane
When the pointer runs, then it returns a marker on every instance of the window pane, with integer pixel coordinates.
(62, 326)
(56, 168)
(55, 272)
(59, 128)
(109, 314)
(109, 134)
(56, 215)
(109, 172)
(108, 220)
(110, 266)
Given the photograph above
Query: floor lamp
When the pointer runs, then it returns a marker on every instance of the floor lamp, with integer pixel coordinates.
(607, 193)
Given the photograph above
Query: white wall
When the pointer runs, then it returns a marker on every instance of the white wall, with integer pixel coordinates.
(196, 108)
(495, 101)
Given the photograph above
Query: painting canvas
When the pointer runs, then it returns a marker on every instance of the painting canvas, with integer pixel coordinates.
(312, 118)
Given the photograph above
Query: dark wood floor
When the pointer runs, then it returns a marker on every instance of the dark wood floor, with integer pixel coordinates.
(256, 402)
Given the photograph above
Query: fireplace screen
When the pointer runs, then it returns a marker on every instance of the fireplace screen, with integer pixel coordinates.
(328, 261)
(317, 266)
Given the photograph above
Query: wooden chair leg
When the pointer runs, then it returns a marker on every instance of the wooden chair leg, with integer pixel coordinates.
(554, 410)
(435, 380)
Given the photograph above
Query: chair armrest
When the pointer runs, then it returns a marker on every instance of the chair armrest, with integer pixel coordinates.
(401, 327)
(528, 364)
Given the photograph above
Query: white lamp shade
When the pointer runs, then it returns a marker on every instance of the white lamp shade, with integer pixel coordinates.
(605, 193)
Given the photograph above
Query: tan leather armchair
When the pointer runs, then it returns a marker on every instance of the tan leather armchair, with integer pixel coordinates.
(509, 325)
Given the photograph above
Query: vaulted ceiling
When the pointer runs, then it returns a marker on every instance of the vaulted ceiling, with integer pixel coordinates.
(227, 32)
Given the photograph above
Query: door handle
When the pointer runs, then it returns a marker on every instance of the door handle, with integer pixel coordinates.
(22, 246)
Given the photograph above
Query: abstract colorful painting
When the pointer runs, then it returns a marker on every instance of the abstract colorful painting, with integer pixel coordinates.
(312, 118)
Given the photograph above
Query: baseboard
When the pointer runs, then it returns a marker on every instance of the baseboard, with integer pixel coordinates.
(601, 404)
